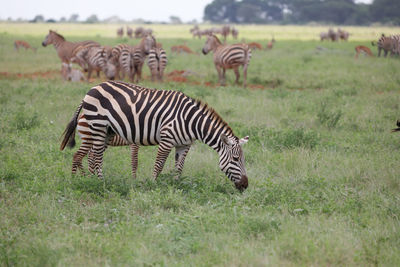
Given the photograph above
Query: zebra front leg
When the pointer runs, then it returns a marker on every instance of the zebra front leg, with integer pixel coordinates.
(180, 156)
(134, 158)
(162, 154)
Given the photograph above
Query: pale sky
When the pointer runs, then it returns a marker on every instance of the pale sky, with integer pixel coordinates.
(154, 10)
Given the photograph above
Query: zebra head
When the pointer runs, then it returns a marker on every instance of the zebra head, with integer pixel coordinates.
(231, 160)
(211, 44)
(50, 38)
(149, 42)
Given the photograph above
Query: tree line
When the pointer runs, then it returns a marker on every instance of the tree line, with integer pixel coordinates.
(341, 12)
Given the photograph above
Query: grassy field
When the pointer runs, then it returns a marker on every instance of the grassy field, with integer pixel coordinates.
(321, 161)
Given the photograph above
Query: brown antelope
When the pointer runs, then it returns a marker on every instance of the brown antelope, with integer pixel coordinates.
(364, 49)
(228, 57)
(24, 44)
(181, 49)
(271, 43)
(255, 46)
(64, 48)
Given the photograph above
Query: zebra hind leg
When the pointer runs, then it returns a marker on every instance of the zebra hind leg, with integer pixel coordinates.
(79, 155)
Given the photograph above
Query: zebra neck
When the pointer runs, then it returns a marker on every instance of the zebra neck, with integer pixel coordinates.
(209, 129)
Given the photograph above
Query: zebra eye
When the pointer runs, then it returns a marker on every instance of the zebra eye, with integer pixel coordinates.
(235, 158)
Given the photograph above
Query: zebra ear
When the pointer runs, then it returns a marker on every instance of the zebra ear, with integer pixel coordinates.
(226, 140)
(244, 140)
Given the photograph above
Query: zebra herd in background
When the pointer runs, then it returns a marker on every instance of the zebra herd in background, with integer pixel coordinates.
(122, 59)
(223, 31)
(139, 32)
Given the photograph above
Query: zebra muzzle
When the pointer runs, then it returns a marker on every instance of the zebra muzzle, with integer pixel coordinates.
(242, 184)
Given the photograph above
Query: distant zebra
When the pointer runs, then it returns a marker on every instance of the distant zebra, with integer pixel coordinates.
(81, 50)
(234, 32)
(115, 57)
(24, 44)
(64, 48)
(96, 59)
(153, 117)
(138, 56)
(395, 44)
(120, 32)
(387, 44)
(228, 57)
(129, 31)
(157, 61)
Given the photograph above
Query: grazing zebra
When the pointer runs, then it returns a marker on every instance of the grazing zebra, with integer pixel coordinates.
(24, 44)
(64, 48)
(157, 61)
(146, 117)
(228, 57)
(96, 59)
(81, 50)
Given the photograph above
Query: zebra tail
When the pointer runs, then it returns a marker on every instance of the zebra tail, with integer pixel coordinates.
(69, 132)
(397, 129)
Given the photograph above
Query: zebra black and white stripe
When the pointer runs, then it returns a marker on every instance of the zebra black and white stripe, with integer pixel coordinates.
(228, 57)
(157, 61)
(145, 117)
(97, 59)
(388, 44)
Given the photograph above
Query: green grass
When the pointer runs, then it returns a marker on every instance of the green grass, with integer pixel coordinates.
(321, 161)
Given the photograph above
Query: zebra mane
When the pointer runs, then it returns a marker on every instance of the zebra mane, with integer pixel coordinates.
(58, 35)
(212, 112)
(213, 35)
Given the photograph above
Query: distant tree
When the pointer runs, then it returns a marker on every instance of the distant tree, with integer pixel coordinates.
(175, 20)
(37, 18)
(221, 11)
(386, 11)
(63, 19)
(73, 18)
(92, 19)
(51, 21)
